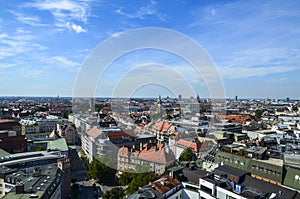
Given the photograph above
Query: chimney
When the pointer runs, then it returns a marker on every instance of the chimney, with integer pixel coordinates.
(19, 188)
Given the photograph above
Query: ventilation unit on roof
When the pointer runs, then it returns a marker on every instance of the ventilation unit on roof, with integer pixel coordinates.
(273, 195)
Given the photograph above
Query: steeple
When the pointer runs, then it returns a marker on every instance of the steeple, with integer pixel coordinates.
(159, 100)
(198, 98)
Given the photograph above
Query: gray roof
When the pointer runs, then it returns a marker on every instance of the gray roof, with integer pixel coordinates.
(194, 175)
(145, 193)
(260, 186)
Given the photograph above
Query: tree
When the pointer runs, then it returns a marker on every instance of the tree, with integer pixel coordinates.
(40, 148)
(295, 108)
(140, 180)
(187, 155)
(258, 113)
(126, 178)
(66, 113)
(114, 193)
(100, 172)
(83, 156)
(40, 109)
(73, 180)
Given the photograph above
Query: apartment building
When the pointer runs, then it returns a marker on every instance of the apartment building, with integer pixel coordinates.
(156, 156)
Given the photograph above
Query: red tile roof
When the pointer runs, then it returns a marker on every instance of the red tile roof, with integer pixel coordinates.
(119, 134)
(158, 156)
(189, 144)
(236, 118)
(152, 155)
(162, 126)
(7, 121)
(94, 132)
(165, 184)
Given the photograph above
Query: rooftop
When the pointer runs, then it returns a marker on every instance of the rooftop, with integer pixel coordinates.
(59, 144)
(156, 189)
(7, 121)
(252, 187)
(194, 175)
(94, 132)
(41, 183)
(3, 153)
(273, 161)
(195, 146)
(260, 186)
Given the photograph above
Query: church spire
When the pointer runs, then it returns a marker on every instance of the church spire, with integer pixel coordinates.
(198, 98)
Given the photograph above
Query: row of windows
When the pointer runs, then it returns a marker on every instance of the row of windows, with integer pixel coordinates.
(254, 167)
(266, 170)
(232, 160)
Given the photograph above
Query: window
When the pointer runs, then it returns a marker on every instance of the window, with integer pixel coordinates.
(206, 189)
(229, 197)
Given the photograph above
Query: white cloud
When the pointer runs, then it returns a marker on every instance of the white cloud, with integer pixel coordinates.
(76, 28)
(116, 34)
(63, 62)
(143, 11)
(28, 20)
(30, 73)
(65, 12)
(283, 78)
(261, 62)
(247, 72)
(15, 44)
(5, 65)
(3, 35)
(59, 9)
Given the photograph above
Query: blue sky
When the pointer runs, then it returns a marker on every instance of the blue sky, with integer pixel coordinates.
(254, 44)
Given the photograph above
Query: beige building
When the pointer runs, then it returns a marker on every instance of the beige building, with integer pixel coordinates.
(158, 158)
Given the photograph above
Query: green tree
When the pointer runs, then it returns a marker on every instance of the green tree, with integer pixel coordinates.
(41, 109)
(140, 180)
(73, 180)
(258, 113)
(295, 108)
(66, 113)
(126, 178)
(187, 155)
(83, 156)
(100, 172)
(40, 148)
(114, 193)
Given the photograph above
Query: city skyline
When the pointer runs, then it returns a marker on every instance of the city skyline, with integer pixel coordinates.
(254, 46)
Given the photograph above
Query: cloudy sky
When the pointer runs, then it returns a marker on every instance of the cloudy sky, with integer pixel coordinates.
(254, 45)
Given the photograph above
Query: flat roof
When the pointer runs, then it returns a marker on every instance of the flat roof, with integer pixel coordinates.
(3, 153)
(231, 170)
(260, 186)
(28, 157)
(273, 161)
(267, 131)
(59, 144)
(39, 184)
(194, 175)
